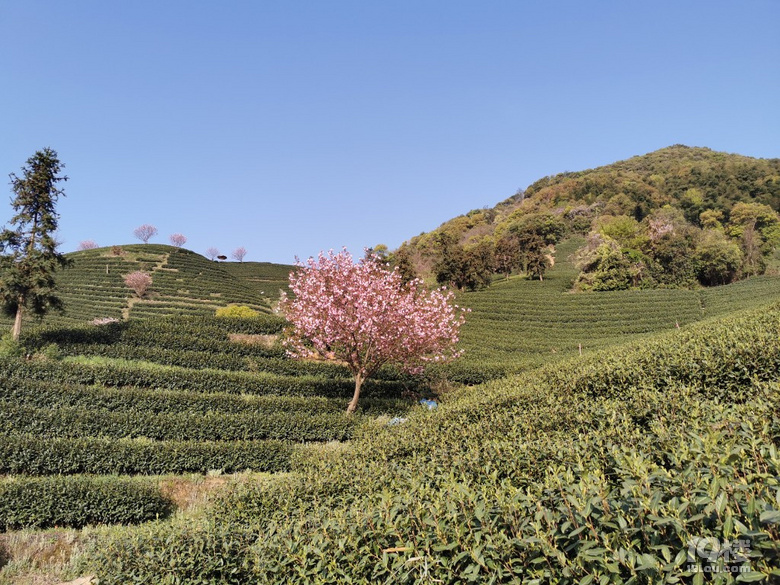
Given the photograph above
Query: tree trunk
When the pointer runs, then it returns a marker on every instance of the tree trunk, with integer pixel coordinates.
(354, 402)
(18, 321)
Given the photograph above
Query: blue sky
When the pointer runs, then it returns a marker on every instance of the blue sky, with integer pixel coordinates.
(289, 127)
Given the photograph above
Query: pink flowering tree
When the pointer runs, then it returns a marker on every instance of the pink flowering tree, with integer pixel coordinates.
(178, 240)
(139, 282)
(87, 245)
(145, 232)
(363, 315)
(239, 253)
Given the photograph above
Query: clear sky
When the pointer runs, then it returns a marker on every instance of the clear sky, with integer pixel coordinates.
(289, 126)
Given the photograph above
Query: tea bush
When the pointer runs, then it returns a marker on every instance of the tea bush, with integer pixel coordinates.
(32, 455)
(134, 422)
(77, 501)
(44, 395)
(236, 311)
(205, 381)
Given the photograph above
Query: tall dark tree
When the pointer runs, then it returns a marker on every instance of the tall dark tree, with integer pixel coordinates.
(507, 254)
(401, 259)
(448, 266)
(29, 251)
(478, 266)
(536, 234)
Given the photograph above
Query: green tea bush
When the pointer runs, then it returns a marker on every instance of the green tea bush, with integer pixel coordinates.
(211, 426)
(122, 375)
(44, 395)
(10, 348)
(77, 501)
(184, 551)
(31, 455)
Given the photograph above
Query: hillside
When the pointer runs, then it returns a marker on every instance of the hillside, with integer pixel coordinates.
(650, 207)
(184, 283)
(600, 469)
(518, 323)
(582, 438)
(266, 277)
(125, 423)
(665, 176)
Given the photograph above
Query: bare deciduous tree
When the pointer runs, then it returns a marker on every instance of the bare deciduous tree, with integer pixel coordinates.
(145, 232)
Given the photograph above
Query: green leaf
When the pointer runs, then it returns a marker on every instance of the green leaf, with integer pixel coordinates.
(750, 577)
(770, 516)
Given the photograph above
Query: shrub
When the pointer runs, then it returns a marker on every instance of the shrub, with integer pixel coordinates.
(9, 347)
(77, 501)
(187, 551)
(25, 454)
(51, 351)
(237, 312)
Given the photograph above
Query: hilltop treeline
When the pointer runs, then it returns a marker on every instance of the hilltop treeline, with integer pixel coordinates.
(679, 216)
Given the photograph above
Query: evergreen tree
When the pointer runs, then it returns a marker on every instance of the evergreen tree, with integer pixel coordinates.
(29, 250)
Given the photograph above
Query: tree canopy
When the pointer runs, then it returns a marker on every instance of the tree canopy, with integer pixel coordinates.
(29, 249)
(362, 314)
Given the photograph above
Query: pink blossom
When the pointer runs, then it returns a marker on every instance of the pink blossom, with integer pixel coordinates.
(363, 315)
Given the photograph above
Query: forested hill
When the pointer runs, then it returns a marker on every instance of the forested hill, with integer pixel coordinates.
(696, 187)
(666, 176)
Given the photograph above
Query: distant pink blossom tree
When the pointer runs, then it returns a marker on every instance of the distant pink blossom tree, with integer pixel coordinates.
(365, 316)
(145, 232)
(239, 253)
(139, 282)
(87, 245)
(212, 253)
(178, 240)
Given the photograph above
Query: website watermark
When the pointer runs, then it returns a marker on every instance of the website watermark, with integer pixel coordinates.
(712, 555)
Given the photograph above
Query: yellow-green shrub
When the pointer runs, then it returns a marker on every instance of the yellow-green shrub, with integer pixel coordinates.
(236, 312)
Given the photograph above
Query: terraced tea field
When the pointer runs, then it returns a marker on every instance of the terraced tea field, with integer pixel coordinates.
(518, 323)
(269, 279)
(184, 283)
(100, 421)
(162, 396)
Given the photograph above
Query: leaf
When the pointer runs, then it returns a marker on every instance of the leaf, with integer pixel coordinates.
(751, 577)
(770, 516)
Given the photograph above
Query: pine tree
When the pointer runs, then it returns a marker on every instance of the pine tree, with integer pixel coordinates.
(29, 251)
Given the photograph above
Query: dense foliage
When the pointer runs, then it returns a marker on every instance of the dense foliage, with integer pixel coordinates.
(76, 501)
(666, 250)
(676, 217)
